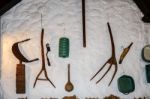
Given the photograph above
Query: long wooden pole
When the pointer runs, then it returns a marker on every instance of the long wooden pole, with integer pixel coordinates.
(83, 23)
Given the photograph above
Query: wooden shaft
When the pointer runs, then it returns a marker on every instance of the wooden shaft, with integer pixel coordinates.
(83, 23)
(112, 40)
(68, 72)
(42, 50)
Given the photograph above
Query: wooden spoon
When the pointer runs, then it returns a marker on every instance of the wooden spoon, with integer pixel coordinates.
(69, 86)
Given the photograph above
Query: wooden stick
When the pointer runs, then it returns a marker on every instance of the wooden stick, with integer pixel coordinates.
(83, 23)
(43, 63)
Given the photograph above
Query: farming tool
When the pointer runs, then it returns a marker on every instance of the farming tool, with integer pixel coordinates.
(112, 60)
(125, 52)
(43, 69)
(20, 70)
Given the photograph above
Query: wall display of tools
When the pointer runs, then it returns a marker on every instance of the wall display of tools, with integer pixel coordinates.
(126, 84)
(20, 70)
(64, 47)
(112, 60)
(69, 86)
(124, 53)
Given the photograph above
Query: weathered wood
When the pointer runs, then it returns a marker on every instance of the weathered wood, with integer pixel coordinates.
(69, 86)
(20, 79)
(84, 23)
(70, 97)
(43, 69)
(124, 53)
(111, 61)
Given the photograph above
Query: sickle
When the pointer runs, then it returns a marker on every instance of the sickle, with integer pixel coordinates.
(17, 53)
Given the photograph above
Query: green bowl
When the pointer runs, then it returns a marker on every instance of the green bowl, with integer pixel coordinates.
(147, 68)
(126, 84)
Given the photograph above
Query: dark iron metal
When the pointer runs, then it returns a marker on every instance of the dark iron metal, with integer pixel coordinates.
(17, 53)
(48, 50)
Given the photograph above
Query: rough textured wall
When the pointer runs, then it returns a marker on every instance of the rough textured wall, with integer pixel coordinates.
(63, 18)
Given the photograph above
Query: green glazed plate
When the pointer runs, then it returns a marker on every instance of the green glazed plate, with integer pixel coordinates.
(126, 84)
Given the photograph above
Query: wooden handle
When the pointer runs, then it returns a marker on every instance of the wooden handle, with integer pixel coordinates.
(68, 72)
(83, 23)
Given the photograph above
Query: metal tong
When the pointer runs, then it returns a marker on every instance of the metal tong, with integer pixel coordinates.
(48, 50)
(112, 60)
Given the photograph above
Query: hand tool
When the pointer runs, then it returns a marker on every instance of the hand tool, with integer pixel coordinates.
(69, 86)
(112, 60)
(43, 69)
(48, 50)
(20, 70)
(125, 52)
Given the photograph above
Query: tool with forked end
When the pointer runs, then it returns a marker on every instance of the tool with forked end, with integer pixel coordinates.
(43, 69)
(112, 60)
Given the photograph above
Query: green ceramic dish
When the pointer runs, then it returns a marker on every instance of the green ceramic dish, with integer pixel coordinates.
(147, 68)
(126, 84)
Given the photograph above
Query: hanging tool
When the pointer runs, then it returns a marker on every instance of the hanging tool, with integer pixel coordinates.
(48, 50)
(125, 52)
(17, 53)
(43, 61)
(84, 23)
(20, 70)
(69, 86)
(112, 60)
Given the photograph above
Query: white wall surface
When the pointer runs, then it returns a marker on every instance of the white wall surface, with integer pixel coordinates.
(23, 21)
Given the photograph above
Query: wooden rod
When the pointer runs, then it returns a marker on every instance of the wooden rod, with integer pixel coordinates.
(83, 23)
